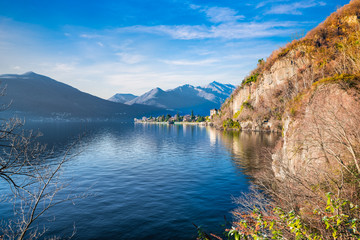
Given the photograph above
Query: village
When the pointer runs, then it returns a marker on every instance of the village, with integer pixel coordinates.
(178, 119)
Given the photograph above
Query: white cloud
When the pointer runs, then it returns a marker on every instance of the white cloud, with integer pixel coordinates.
(89, 36)
(191, 63)
(294, 8)
(194, 6)
(222, 14)
(130, 58)
(264, 3)
(64, 67)
(100, 44)
(247, 30)
(218, 14)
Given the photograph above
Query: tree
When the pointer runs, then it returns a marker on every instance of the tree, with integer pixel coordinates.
(34, 182)
(168, 116)
(177, 117)
(192, 115)
(201, 119)
(18, 151)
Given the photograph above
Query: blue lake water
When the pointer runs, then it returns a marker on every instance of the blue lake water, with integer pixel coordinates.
(148, 181)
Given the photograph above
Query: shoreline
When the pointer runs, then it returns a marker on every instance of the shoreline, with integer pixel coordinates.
(178, 123)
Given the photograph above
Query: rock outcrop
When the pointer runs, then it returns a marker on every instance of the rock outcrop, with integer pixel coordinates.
(309, 91)
(323, 132)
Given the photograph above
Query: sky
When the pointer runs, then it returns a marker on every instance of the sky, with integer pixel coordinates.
(131, 46)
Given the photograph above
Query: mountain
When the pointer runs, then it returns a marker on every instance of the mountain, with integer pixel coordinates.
(310, 91)
(226, 89)
(122, 97)
(153, 98)
(35, 95)
(186, 98)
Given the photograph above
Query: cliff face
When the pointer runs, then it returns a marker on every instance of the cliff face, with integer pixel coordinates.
(259, 105)
(309, 91)
(324, 130)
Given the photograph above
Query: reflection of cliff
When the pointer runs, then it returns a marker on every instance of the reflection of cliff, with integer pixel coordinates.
(250, 150)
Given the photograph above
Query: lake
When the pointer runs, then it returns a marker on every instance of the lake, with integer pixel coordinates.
(148, 181)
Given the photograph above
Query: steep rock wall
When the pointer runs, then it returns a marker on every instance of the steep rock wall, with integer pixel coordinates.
(309, 91)
(323, 134)
(253, 104)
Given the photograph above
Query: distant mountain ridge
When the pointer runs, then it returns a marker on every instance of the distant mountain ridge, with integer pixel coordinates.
(122, 97)
(34, 95)
(186, 98)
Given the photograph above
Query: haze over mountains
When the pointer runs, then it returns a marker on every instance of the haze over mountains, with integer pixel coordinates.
(34, 95)
(186, 98)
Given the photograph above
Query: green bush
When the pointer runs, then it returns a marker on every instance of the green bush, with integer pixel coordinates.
(284, 52)
(201, 119)
(231, 124)
(337, 220)
(292, 112)
(237, 114)
(252, 78)
(349, 80)
(247, 105)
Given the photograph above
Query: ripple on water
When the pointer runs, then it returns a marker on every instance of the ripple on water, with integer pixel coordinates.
(149, 181)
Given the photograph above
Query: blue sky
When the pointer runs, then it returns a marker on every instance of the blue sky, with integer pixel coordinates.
(131, 46)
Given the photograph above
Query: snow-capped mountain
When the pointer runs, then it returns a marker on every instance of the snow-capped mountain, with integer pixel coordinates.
(122, 97)
(186, 98)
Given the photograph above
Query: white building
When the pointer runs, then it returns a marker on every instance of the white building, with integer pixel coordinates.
(213, 112)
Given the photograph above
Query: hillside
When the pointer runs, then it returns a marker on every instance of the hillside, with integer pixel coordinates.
(298, 86)
(263, 100)
(34, 95)
(309, 91)
(186, 98)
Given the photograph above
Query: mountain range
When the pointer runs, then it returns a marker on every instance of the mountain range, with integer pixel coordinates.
(34, 95)
(183, 99)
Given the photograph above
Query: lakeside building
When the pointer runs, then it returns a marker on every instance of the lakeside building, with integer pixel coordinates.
(187, 118)
(214, 112)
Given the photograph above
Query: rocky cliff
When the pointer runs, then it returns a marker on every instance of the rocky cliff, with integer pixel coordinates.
(309, 91)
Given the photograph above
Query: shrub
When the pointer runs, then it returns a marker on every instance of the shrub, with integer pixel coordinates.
(292, 112)
(201, 119)
(348, 79)
(284, 52)
(237, 114)
(338, 220)
(231, 124)
(247, 105)
(252, 78)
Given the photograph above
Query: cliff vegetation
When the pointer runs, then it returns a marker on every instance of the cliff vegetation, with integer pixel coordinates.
(309, 91)
(264, 98)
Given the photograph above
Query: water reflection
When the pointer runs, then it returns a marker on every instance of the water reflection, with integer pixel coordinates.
(151, 181)
(250, 151)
